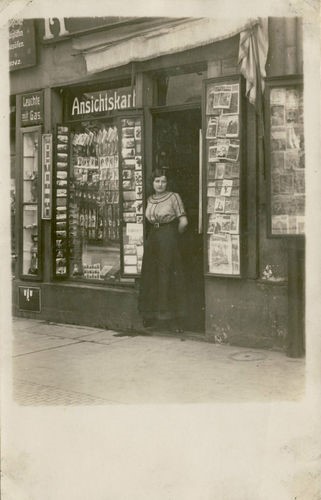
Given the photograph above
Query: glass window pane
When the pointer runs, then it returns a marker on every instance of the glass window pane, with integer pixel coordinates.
(30, 240)
(180, 89)
(30, 167)
(94, 202)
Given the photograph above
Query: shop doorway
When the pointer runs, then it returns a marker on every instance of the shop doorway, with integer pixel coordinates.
(176, 144)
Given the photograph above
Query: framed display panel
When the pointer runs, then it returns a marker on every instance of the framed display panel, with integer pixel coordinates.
(285, 156)
(103, 215)
(132, 194)
(60, 197)
(222, 174)
(30, 197)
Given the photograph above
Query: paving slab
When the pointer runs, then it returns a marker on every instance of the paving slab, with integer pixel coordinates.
(26, 342)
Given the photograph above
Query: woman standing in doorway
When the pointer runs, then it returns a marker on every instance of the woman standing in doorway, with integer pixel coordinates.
(162, 288)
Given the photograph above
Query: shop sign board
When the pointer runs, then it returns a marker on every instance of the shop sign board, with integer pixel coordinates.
(22, 47)
(101, 103)
(54, 29)
(32, 108)
(46, 200)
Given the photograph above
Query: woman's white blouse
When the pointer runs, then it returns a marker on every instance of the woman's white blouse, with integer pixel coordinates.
(164, 209)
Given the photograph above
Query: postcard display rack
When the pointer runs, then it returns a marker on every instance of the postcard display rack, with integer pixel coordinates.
(101, 201)
(60, 226)
(222, 149)
(285, 157)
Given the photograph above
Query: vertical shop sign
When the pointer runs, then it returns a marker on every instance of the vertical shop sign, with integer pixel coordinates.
(32, 109)
(46, 176)
(22, 47)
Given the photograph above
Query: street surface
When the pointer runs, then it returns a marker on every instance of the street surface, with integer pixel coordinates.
(55, 364)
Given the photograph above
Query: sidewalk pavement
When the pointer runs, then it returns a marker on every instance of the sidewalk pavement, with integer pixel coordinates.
(56, 364)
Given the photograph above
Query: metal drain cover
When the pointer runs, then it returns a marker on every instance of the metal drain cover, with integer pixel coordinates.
(248, 356)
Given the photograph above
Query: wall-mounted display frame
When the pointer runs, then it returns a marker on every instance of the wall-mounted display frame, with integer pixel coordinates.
(60, 196)
(285, 156)
(30, 195)
(223, 139)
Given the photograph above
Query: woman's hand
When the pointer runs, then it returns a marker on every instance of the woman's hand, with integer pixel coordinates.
(182, 224)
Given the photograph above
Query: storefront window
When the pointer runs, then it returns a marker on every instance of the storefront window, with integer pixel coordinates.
(94, 226)
(30, 204)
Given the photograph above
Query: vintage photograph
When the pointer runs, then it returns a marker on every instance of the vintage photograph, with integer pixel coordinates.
(158, 196)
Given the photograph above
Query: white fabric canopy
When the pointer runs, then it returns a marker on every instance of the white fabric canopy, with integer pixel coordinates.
(169, 39)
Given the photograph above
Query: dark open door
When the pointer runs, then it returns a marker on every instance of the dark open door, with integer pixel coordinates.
(176, 143)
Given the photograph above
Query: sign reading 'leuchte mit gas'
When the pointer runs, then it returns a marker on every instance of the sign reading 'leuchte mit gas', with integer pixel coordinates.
(101, 103)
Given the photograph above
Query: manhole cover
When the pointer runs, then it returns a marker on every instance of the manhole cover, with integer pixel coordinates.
(248, 356)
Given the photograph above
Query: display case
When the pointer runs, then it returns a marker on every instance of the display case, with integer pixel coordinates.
(222, 174)
(30, 201)
(98, 228)
(285, 156)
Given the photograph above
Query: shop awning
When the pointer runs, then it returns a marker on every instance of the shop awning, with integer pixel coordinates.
(172, 38)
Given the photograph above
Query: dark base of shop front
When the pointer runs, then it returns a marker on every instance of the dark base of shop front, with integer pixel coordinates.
(246, 313)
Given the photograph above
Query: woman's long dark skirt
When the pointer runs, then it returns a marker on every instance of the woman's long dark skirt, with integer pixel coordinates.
(162, 286)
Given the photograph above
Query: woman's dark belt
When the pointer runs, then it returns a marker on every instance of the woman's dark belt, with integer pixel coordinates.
(160, 224)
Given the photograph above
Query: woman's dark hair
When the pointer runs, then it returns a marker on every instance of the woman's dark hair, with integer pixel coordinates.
(159, 172)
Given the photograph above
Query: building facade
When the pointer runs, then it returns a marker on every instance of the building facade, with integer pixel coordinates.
(96, 104)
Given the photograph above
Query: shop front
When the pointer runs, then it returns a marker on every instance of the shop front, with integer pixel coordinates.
(85, 150)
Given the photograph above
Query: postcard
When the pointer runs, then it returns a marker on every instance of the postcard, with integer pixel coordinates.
(292, 159)
(234, 228)
(286, 184)
(299, 182)
(127, 174)
(210, 205)
(223, 122)
(234, 104)
(277, 161)
(139, 192)
(138, 178)
(212, 154)
(232, 170)
(139, 207)
(232, 126)
(128, 152)
(277, 115)
(293, 139)
(128, 142)
(129, 195)
(220, 254)
(224, 100)
(219, 204)
(235, 243)
(278, 139)
(129, 216)
(138, 147)
(280, 224)
(138, 162)
(231, 204)
(226, 187)
(225, 223)
(211, 131)
(233, 152)
(278, 96)
(222, 147)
